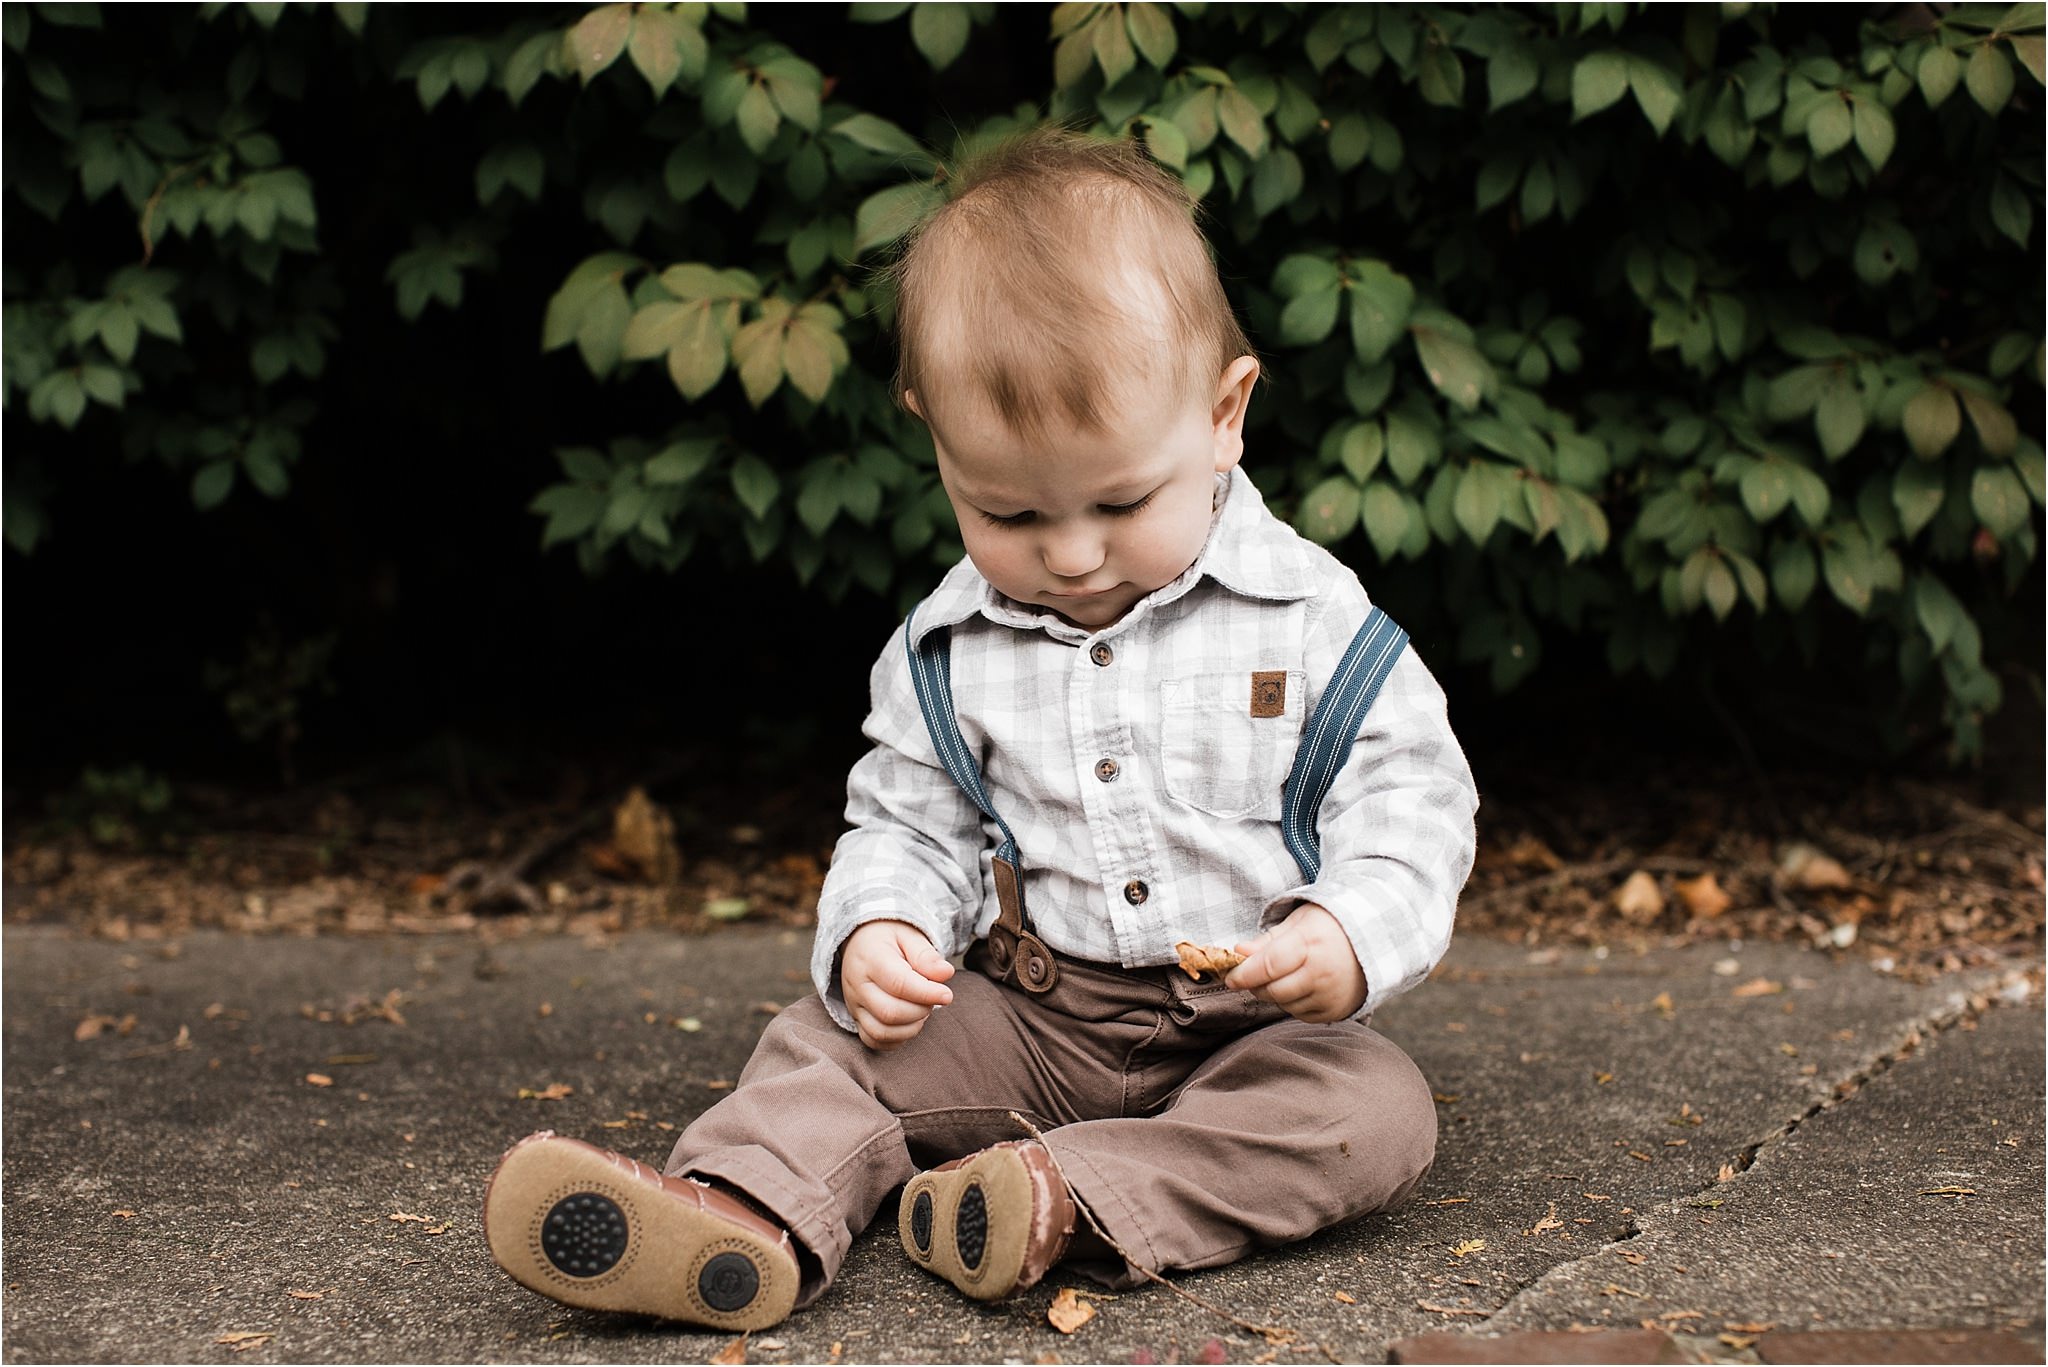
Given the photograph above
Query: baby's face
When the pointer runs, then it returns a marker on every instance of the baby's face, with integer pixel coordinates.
(1087, 523)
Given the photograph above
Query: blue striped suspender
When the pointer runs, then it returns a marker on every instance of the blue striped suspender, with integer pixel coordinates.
(1325, 742)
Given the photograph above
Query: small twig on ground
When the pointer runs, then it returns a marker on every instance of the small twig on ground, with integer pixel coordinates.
(1274, 1334)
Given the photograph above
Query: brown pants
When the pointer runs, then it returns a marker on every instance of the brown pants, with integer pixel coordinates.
(1196, 1123)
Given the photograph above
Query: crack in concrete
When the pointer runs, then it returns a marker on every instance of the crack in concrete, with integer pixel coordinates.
(1961, 1004)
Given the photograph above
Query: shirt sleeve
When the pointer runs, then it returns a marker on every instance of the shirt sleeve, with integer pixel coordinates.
(914, 851)
(1397, 826)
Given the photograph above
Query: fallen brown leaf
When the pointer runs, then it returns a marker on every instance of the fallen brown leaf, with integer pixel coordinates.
(1468, 1246)
(1345, 1298)
(92, 1026)
(1950, 1191)
(554, 1091)
(1449, 1309)
(124, 1214)
(1662, 1001)
(1702, 896)
(1639, 899)
(736, 1351)
(1068, 1311)
(1750, 1327)
(241, 1341)
(307, 1295)
(402, 1218)
(1548, 1222)
(319, 1080)
(1757, 987)
(1804, 866)
(1195, 960)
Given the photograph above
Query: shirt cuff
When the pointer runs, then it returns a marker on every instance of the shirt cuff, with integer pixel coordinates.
(836, 928)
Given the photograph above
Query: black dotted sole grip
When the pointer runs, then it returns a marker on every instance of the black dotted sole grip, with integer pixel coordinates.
(584, 1234)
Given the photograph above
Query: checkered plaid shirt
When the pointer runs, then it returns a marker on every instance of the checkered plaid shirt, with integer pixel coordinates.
(1143, 778)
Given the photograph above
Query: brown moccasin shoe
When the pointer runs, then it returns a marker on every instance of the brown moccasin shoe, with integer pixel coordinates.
(991, 1223)
(593, 1228)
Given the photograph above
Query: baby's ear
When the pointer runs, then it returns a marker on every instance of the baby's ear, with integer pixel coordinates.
(910, 402)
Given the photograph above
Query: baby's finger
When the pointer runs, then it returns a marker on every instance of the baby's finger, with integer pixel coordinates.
(1273, 957)
(931, 964)
(877, 1034)
(1295, 989)
(888, 1010)
(905, 983)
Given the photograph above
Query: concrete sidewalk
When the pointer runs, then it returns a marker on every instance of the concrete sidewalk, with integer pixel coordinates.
(184, 1181)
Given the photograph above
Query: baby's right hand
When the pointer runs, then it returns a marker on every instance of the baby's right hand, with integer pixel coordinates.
(892, 978)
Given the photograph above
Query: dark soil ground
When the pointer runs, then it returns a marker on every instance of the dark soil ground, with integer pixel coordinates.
(1931, 871)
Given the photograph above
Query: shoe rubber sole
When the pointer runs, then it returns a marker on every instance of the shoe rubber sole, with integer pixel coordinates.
(970, 1224)
(567, 1220)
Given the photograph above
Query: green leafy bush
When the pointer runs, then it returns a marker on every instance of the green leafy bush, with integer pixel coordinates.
(1639, 323)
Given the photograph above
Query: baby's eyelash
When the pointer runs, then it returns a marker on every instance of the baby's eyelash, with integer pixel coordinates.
(1114, 510)
(1128, 509)
(1015, 520)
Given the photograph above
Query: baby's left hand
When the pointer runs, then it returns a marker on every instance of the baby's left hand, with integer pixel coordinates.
(1304, 966)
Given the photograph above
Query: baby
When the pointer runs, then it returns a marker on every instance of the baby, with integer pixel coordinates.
(1103, 734)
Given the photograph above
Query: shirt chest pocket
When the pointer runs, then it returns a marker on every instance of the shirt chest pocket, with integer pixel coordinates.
(1227, 741)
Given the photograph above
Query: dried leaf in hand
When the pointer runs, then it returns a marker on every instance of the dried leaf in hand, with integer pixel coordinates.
(1069, 1312)
(1196, 959)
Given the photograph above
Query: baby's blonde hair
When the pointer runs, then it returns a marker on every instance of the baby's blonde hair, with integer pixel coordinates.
(1067, 273)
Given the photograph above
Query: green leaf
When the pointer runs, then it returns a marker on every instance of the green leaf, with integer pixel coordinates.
(757, 351)
(1441, 77)
(678, 463)
(1309, 317)
(807, 358)
(1917, 494)
(571, 509)
(1361, 449)
(1458, 371)
(1497, 177)
(1932, 420)
(1167, 144)
(1839, 417)
(598, 38)
(1511, 74)
(1850, 568)
(1875, 134)
(1939, 71)
(1411, 447)
(1831, 127)
(755, 484)
(1995, 426)
(212, 484)
(1240, 121)
(1765, 489)
(757, 118)
(940, 31)
(1793, 574)
(2011, 211)
(1385, 515)
(1937, 610)
(1999, 499)
(818, 504)
(1329, 511)
(1989, 77)
(1657, 91)
(1113, 51)
(1350, 136)
(1598, 80)
(655, 47)
(877, 135)
(528, 63)
(887, 215)
(1477, 503)
(1381, 301)
(1152, 32)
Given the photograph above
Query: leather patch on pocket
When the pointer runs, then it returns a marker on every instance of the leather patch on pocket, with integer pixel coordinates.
(1269, 693)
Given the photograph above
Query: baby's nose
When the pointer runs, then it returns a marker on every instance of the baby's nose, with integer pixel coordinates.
(1073, 554)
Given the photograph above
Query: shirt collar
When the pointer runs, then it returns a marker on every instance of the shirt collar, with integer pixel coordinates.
(1249, 551)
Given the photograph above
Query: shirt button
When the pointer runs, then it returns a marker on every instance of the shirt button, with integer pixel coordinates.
(1101, 654)
(1135, 892)
(1106, 770)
